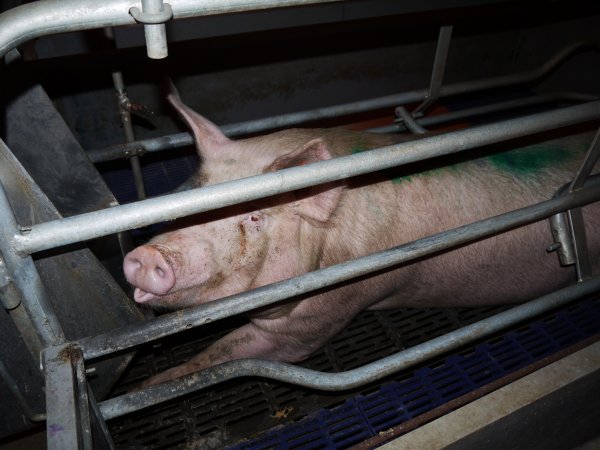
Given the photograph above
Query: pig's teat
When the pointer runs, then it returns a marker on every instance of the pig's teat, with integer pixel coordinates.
(148, 270)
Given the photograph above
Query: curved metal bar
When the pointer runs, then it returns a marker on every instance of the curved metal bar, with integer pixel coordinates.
(129, 336)
(100, 223)
(37, 19)
(344, 380)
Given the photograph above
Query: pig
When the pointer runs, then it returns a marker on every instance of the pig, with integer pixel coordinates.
(216, 254)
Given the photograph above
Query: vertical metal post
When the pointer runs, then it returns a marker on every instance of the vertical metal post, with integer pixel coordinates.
(123, 103)
(26, 280)
(439, 67)
(583, 267)
(67, 408)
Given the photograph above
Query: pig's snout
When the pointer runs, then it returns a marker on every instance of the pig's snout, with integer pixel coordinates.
(149, 271)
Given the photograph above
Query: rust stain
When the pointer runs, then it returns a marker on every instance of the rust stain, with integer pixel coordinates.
(282, 413)
(66, 354)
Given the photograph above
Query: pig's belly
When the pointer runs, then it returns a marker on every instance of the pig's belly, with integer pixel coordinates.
(509, 268)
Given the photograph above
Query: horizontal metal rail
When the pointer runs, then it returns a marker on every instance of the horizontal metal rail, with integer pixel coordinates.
(36, 19)
(178, 140)
(377, 370)
(112, 220)
(132, 335)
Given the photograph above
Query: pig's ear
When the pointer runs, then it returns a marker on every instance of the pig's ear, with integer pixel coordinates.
(316, 202)
(207, 136)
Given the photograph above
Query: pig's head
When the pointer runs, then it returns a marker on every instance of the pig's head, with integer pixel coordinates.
(211, 255)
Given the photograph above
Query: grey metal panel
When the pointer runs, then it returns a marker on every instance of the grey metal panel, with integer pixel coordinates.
(43, 143)
(85, 296)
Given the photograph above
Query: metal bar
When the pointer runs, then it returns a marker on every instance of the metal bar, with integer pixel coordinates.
(123, 101)
(409, 122)
(453, 116)
(129, 336)
(589, 161)
(68, 418)
(575, 216)
(14, 388)
(99, 223)
(36, 19)
(11, 300)
(99, 424)
(437, 74)
(345, 380)
(184, 139)
(579, 239)
(27, 330)
(27, 282)
(260, 125)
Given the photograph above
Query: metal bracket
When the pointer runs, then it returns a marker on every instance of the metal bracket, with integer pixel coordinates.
(153, 15)
(136, 152)
(568, 228)
(563, 244)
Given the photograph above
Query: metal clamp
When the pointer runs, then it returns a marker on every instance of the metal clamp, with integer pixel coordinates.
(568, 230)
(149, 18)
(563, 242)
(136, 152)
(153, 15)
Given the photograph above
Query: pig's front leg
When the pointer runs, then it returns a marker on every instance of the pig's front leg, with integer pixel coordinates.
(245, 342)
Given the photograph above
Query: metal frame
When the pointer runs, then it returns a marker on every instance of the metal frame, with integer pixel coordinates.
(69, 407)
(292, 119)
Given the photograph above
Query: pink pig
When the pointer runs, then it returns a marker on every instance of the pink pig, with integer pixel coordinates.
(228, 251)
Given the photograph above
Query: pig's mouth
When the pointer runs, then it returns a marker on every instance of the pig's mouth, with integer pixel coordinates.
(141, 296)
(168, 301)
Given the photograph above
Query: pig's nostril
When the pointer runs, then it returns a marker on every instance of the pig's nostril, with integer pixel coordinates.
(147, 269)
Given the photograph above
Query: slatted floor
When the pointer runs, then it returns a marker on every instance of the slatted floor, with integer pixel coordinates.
(254, 414)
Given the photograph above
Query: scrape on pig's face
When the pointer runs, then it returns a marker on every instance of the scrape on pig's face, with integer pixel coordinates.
(199, 263)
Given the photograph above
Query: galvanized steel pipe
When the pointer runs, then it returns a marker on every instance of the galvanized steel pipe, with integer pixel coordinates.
(36, 19)
(100, 223)
(374, 371)
(28, 284)
(184, 139)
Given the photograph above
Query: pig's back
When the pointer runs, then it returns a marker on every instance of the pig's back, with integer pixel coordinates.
(403, 205)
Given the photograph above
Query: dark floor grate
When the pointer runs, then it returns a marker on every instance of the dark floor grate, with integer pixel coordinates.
(299, 418)
(397, 401)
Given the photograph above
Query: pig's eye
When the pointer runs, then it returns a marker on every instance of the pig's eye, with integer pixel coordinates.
(254, 218)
